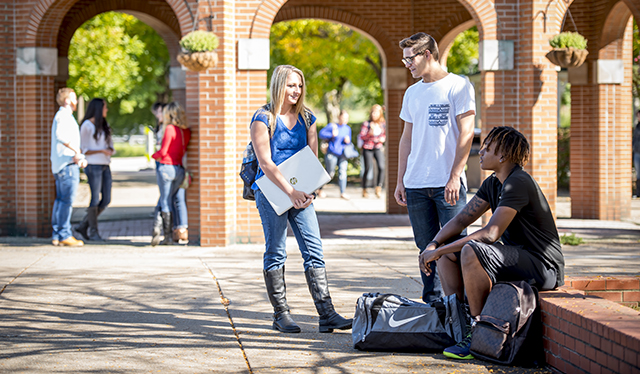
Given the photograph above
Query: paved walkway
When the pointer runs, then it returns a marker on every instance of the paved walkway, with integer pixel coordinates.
(127, 307)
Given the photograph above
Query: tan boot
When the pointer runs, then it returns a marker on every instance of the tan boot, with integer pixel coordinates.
(181, 236)
(378, 191)
(71, 242)
(365, 193)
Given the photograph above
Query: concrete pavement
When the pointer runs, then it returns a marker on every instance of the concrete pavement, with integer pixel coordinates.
(125, 307)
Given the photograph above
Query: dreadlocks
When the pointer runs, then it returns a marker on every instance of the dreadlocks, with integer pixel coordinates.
(513, 145)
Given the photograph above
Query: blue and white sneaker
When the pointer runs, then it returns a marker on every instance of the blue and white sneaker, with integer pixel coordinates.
(460, 351)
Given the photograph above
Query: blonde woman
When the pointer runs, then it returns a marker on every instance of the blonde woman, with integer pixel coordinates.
(373, 136)
(170, 170)
(279, 130)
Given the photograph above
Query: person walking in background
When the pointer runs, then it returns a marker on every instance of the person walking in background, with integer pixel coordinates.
(97, 145)
(338, 135)
(636, 152)
(66, 161)
(439, 116)
(373, 136)
(170, 171)
(156, 232)
(278, 131)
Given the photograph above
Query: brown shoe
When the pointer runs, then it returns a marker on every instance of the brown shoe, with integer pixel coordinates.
(55, 242)
(365, 193)
(181, 236)
(71, 242)
(378, 191)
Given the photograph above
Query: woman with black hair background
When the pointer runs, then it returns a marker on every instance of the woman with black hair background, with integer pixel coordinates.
(97, 146)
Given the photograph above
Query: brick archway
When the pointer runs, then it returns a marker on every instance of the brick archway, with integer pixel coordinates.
(47, 28)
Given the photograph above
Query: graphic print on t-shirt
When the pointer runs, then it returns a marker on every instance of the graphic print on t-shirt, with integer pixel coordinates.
(438, 114)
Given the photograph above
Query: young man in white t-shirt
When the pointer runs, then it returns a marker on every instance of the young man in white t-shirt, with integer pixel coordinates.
(439, 114)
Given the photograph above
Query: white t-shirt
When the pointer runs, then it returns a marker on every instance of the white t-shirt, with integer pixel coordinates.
(89, 143)
(432, 109)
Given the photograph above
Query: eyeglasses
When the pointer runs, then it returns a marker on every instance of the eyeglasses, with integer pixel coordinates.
(409, 60)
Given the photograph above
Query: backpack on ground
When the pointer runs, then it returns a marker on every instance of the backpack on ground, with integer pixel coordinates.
(387, 322)
(509, 329)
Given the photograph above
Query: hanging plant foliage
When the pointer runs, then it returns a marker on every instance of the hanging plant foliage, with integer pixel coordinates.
(569, 50)
(198, 50)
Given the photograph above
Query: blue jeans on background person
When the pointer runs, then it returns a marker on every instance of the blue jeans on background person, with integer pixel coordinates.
(100, 181)
(66, 187)
(428, 213)
(304, 224)
(169, 178)
(181, 219)
(330, 162)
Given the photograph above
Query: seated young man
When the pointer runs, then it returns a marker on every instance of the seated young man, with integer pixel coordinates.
(520, 242)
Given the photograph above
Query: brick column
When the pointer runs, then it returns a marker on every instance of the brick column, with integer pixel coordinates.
(8, 131)
(601, 121)
(210, 97)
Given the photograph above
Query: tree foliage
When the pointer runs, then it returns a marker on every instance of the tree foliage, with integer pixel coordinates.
(121, 59)
(463, 55)
(333, 57)
(636, 61)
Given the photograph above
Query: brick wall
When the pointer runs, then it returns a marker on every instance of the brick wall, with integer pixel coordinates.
(584, 333)
(8, 131)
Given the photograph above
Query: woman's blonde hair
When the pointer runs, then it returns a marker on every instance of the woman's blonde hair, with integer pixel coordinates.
(277, 91)
(373, 108)
(173, 114)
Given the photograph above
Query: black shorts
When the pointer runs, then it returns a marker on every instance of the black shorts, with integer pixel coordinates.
(514, 263)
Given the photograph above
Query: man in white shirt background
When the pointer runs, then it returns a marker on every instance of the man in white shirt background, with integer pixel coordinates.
(66, 161)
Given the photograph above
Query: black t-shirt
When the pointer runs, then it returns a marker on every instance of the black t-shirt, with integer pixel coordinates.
(533, 227)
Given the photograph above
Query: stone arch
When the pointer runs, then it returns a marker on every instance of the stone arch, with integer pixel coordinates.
(446, 41)
(368, 28)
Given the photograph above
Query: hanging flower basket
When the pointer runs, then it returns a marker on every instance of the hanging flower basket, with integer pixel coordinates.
(198, 61)
(198, 50)
(567, 57)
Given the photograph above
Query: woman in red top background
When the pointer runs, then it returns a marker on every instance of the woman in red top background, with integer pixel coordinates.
(170, 170)
(373, 136)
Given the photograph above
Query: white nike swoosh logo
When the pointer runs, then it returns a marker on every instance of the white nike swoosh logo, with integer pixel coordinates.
(394, 323)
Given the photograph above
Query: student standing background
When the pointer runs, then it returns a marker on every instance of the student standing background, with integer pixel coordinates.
(338, 135)
(97, 145)
(373, 135)
(66, 161)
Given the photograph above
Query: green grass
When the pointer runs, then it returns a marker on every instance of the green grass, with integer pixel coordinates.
(127, 150)
(571, 239)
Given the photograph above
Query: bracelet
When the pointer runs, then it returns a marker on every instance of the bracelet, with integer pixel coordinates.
(434, 241)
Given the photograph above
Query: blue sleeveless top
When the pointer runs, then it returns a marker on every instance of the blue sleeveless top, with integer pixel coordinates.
(284, 142)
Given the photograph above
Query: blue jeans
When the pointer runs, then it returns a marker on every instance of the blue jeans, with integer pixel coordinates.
(66, 186)
(330, 162)
(304, 225)
(428, 213)
(99, 177)
(181, 220)
(169, 179)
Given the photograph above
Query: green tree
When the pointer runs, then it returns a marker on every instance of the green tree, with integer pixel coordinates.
(333, 58)
(121, 59)
(636, 61)
(463, 55)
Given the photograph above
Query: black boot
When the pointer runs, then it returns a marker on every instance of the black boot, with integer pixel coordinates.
(82, 227)
(319, 289)
(167, 224)
(92, 219)
(157, 229)
(277, 291)
(638, 188)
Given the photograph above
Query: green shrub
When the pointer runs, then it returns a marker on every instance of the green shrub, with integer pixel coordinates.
(571, 239)
(199, 41)
(128, 150)
(568, 40)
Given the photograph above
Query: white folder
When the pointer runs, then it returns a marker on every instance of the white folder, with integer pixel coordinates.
(303, 171)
